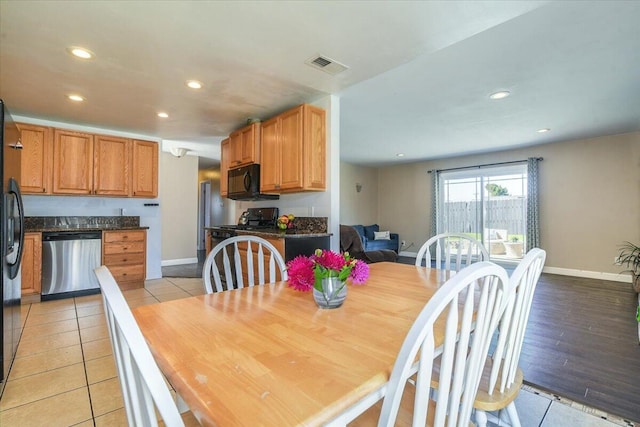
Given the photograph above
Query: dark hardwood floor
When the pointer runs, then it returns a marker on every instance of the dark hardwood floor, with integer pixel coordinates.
(581, 341)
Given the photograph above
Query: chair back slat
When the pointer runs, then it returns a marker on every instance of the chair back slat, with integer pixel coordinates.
(513, 325)
(452, 251)
(228, 252)
(143, 388)
(471, 303)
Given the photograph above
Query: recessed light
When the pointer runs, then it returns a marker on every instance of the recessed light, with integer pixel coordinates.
(194, 84)
(163, 115)
(80, 52)
(543, 130)
(76, 98)
(400, 155)
(500, 95)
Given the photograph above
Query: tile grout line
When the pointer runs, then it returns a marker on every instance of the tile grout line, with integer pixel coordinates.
(84, 363)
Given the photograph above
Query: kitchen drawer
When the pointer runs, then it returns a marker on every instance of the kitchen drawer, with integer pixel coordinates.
(127, 272)
(124, 248)
(124, 259)
(123, 236)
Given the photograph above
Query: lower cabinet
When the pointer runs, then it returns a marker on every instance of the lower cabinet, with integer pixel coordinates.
(31, 277)
(242, 247)
(124, 253)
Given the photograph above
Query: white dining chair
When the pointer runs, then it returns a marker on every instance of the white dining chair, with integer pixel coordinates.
(471, 305)
(503, 378)
(238, 253)
(452, 251)
(142, 383)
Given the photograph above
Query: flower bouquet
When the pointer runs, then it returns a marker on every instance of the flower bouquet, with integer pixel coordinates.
(326, 273)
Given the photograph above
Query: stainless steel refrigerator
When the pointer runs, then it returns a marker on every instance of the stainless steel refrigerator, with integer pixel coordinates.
(11, 241)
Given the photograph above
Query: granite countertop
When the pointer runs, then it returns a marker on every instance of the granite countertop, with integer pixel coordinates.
(273, 232)
(304, 227)
(37, 224)
(90, 228)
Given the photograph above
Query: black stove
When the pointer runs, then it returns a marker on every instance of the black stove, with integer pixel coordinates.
(259, 218)
(256, 218)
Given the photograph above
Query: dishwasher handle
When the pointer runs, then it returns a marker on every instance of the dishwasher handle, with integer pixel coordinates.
(71, 235)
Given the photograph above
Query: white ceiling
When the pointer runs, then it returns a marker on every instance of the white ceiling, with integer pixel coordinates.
(419, 76)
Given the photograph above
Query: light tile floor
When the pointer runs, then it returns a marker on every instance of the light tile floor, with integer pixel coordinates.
(64, 373)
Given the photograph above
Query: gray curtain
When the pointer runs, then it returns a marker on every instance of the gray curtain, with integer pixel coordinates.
(533, 205)
(435, 196)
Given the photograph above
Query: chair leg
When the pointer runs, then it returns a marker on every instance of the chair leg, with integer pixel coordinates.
(513, 415)
(481, 418)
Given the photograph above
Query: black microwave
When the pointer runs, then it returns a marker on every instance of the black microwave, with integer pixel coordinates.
(244, 184)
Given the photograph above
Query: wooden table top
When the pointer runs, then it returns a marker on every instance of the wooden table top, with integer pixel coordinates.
(266, 355)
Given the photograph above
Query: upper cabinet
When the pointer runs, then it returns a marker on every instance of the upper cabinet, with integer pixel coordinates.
(35, 175)
(72, 162)
(244, 146)
(112, 166)
(64, 162)
(145, 169)
(293, 151)
(224, 167)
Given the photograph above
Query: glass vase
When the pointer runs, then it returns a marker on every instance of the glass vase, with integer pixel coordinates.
(333, 293)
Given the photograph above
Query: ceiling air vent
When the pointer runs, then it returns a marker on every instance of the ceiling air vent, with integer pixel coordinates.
(326, 64)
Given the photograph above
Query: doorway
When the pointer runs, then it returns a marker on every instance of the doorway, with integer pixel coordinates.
(488, 204)
(204, 212)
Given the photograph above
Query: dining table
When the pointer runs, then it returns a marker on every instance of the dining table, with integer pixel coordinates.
(268, 356)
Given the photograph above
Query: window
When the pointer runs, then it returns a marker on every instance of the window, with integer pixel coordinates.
(487, 203)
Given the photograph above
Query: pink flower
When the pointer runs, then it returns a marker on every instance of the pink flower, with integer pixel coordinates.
(359, 273)
(300, 272)
(331, 260)
(307, 273)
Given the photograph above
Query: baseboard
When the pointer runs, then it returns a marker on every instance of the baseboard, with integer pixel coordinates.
(180, 261)
(624, 278)
(409, 254)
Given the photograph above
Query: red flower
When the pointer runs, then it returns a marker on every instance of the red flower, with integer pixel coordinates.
(300, 271)
(330, 260)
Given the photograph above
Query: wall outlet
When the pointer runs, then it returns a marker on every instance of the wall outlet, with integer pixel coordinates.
(403, 243)
(616, 261)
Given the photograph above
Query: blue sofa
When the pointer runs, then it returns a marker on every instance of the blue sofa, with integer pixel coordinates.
(370, 244)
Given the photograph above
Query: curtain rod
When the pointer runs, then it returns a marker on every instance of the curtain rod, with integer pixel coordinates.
(482, 166)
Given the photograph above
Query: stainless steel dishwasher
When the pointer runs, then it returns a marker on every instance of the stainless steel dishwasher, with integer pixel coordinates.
(68, 261)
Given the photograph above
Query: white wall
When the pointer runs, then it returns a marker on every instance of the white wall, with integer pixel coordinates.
(358, 207)
(178, 194)
(589, 200)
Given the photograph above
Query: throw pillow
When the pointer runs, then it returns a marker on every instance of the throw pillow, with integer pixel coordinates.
(381, 235)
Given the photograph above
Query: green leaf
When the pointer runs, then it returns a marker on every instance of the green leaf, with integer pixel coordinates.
(317, 283)
(638, 313)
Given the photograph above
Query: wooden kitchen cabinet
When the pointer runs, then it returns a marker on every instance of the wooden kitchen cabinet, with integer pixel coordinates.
(244, 146)
(111, 166)
(293, 151)
(72, 162)
(31, 277)
(63, 162)
(242, 248)
(144, 168)
(224, 167)
(35, 175)
(125, 253)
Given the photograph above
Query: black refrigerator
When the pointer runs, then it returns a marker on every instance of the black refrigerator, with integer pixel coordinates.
(11, 241)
